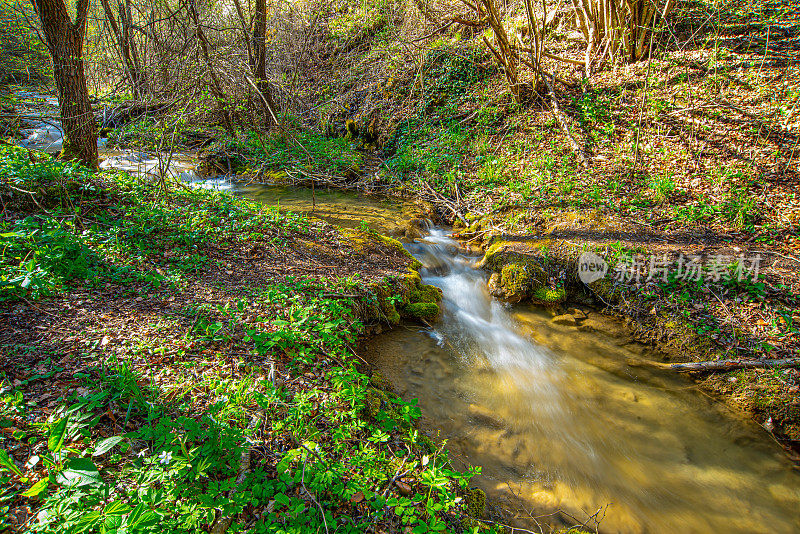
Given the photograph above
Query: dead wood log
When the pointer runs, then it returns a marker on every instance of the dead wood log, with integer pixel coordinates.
(119, 115)
(731, 365)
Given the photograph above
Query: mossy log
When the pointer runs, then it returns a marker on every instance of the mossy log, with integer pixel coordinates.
(732, 365)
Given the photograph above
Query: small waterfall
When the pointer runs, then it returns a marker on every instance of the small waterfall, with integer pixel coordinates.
(483, 333)
(566, 419)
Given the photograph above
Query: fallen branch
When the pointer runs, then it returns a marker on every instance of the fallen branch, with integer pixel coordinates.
(445, 202)
(731, 365)
(562, 122)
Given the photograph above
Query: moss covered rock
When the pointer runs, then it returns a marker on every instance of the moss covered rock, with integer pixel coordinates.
(427, 311)
(378, 381)
(476, 503)
(517, 281)
(372, 403)
(545, 296)
(425, 293)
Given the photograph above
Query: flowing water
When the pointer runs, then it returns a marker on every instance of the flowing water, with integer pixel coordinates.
(563, 418)
(564, 421)
(43, 132)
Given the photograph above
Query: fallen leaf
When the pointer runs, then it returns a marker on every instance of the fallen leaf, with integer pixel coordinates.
(404, 488)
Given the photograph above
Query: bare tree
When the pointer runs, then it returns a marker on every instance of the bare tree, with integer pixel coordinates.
(64, 39)
(122, 30)
(618, 28)
(216, 86)
(256, 41)
(259, 60)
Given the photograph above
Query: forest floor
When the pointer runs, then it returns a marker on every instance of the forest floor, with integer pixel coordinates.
(687, 159)
(690, 153)
(181, 360)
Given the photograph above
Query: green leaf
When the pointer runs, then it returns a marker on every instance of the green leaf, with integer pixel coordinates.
(87, 521)
(283, 499)
(106, 445)
(142, 517)
(6, 462)
(57, 434)
(79, 472)
(116, 508)
(36, 489)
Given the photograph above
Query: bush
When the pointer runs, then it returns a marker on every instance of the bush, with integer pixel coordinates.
(23, 57)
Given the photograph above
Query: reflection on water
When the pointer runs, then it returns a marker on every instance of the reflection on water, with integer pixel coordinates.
(566, 419)
(336, 207)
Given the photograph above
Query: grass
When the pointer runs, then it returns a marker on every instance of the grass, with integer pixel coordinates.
(241, 405)
(179, 468)
(43, 254)
(293, 149)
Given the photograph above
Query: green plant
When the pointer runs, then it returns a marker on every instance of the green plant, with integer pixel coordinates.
(662, 186)
(739, 207)
(38, 256)
(594, 113)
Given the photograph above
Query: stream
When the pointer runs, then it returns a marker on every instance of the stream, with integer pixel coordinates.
(565, 421)
(572, 419)
(345, 209)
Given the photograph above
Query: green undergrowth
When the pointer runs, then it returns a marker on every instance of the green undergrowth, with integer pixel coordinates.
(267, 456)
(250, 415)
(294, 150)
(290, 148)
(434, 144)
(115, 229)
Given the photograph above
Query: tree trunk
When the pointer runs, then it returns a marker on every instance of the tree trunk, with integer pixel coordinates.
(259, 58)
(126, 45)
(64, 39)
(216, 87)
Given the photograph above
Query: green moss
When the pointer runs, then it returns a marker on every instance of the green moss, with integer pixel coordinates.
(476, 503)
(515, 279)
(378, 381)
(430, 293)
(502, 253)
(398, 246)
(387, 295)
(393, 316)
(546, 296)
(425, 293)
(372, 403)
(413, 278)
(422, 310)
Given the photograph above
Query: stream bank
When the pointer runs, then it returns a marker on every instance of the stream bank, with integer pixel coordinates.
(193, 351)
(568, 418)
(728, 315)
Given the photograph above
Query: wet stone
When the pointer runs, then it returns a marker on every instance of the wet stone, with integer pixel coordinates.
(577, 313)
(565, 320)
(483, 416)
